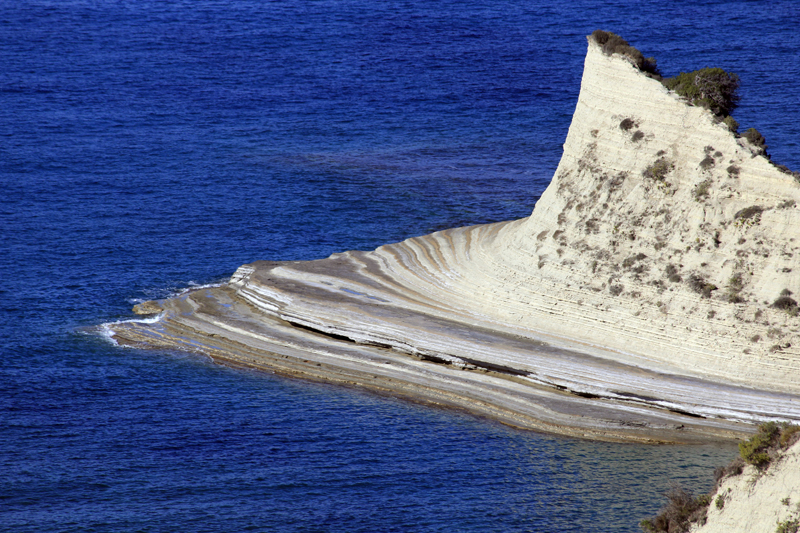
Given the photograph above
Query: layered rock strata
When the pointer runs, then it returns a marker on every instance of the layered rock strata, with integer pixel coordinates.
(635, 303)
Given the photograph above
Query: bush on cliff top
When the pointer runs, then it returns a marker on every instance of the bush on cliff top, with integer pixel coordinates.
(761, 448)
(755, 138)
(611, 43)
(712, 88)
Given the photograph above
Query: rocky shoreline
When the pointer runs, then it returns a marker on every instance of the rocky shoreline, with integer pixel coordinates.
(584, 319)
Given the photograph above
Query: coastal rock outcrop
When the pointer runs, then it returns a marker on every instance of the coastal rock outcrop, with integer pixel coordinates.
(148, 307)
(648, 296)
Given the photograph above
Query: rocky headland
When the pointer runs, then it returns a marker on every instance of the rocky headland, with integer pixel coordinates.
(647, 298)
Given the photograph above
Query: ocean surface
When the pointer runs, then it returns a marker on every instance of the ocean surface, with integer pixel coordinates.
(151, 146)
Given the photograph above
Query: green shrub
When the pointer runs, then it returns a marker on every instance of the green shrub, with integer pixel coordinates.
(680, 512)
(731, 123)
(627, 124)
(755, 138)
(759, 449)
(631, 260)
(707, 162)
(701, 286)
(789, 526)
(658, 170)
(734, 468)
(789, 436)
(672, 273)
(701, 190)
(720, 502)
(748, 212)
(735, 286)
(712, 88)
(611, 43)
(736, 283)
(786, 303)
(755, 450)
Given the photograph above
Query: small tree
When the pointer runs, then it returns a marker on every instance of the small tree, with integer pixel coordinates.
(712, 88)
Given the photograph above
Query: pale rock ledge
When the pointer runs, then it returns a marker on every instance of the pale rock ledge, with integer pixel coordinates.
(585, 318)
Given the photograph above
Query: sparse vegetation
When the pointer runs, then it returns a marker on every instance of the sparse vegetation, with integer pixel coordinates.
(672, 273)
(611, 43)
(720, 501)
(734, 468)
(701, 286)
(700, 192)
(630, 261)
(791, 525)
(627, 124)
(712, 88)
(735, 286)
(707, 162)
(680, 512)
(733, 171)
(658, 170)
(749, 215)
(637, 136)
(786, 170)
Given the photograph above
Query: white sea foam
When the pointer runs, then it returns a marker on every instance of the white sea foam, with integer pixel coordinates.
(162, 293)
(105, 330)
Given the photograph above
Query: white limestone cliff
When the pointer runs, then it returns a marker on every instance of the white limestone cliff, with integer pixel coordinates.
(634, 303)
(591, 262)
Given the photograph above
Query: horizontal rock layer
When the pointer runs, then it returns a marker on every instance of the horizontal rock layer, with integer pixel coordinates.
(633, 304)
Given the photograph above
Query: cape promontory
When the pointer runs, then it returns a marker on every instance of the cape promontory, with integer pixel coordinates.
(648, 296)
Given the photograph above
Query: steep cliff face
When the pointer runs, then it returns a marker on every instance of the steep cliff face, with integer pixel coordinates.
(662, 234)
(636, 298)
(758, 501)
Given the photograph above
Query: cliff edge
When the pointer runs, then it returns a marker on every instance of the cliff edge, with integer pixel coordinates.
(648, 297)
(661, 234)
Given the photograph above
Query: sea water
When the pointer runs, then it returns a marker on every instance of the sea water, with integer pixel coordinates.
(149, 146)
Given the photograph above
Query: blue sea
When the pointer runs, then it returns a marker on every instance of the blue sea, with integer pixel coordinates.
(147, 147)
